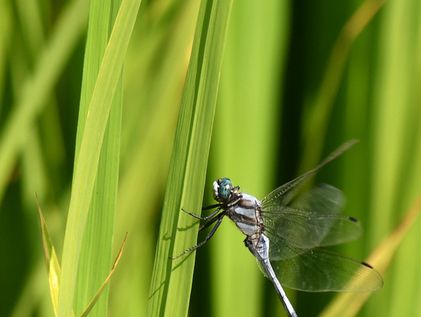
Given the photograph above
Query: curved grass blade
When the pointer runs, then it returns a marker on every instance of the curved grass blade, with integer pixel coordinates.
(285, 193)
(315, 123)
(94, 300)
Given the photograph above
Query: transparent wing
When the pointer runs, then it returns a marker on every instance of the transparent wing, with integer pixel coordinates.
(285, 193)
(313, 220)
(319, 270)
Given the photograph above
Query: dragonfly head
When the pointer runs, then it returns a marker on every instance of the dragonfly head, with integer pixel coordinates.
(222, 189)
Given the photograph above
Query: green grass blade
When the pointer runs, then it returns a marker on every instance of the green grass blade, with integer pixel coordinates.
(93, 301)
(395, 152)
(316, 121)
(245, 140)
(37, 89)
(87, 162)
(171, 280)
(29, 11)
(6, 26)
(96, 255)
(141, 186)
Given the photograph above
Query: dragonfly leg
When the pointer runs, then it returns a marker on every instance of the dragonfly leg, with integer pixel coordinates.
(218, 220)
(217, 206)
(210, 221)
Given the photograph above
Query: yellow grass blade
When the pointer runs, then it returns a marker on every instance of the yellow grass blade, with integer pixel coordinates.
(349, 304)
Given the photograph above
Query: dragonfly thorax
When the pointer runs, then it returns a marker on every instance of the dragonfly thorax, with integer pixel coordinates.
(245, 213)
(243, 209)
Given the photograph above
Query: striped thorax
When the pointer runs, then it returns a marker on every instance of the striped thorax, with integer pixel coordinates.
(243, 209)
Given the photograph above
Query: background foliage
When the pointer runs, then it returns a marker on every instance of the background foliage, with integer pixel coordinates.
(297, 79)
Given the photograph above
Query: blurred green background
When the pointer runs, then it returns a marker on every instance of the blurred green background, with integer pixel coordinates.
(298, 78)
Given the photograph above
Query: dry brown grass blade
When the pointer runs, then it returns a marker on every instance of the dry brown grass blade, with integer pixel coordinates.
(348, 304)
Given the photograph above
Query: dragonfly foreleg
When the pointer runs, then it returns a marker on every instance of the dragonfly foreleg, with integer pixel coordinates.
(218, 220)
(211, 219)
(205, 218)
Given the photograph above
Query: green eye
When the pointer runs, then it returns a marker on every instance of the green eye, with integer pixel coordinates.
(225, 186)
(222, 189)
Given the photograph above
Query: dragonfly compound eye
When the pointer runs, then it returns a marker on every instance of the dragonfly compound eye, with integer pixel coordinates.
(222, 189)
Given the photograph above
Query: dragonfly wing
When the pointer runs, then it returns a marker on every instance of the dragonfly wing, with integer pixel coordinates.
(285, 193)
(319, 270)
(313, 220)
(323, 199)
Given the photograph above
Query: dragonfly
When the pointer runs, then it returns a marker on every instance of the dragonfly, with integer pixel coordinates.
(288, 230)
